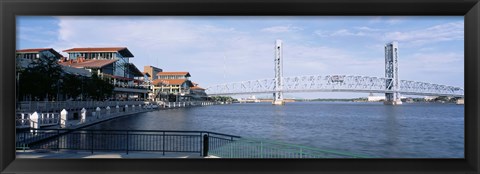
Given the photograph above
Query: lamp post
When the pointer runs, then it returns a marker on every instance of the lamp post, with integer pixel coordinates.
(81, 96)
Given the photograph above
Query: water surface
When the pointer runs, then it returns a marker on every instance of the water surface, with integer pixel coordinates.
(419, 130)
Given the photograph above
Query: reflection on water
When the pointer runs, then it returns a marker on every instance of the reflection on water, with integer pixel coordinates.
(408, 130)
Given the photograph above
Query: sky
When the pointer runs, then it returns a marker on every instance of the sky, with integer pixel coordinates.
(222, 49)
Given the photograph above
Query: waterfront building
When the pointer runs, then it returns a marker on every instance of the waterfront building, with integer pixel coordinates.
(149, 73)
(147, 83)
(35, 53)
(111, 64)
(198, 93)
(172, 86)
(25, 57)
(146, 77)
(152, 71)
(173, 75)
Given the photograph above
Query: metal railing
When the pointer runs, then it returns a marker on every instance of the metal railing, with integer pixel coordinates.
(203, 142)
(254, 148)
(119, 140)
(185, 104)
(46, 106)
(94, 114)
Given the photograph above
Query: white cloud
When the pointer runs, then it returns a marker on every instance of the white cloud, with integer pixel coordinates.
(201, 48)
(321, 33)
(345, 32)
(364, 28)
(437, 33)
(211, 28)
(358, 31)
(177, 45)
(323, 60)
(281, 29)
(438, 58)
(439, 68)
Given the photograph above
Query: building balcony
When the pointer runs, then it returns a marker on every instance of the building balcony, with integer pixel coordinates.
(127, 88)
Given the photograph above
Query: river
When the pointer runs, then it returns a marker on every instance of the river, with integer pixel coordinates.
(411, 130)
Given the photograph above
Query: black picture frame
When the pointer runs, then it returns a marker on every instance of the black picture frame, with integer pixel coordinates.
(470, 9)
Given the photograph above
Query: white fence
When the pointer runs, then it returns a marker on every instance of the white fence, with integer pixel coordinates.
(36, 120)
(185, 104)
(89, 112)
(39, 119)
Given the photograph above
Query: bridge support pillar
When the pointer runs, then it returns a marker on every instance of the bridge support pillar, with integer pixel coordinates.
(391, 74)
(278, 95)
(460, 101)
(278, 102)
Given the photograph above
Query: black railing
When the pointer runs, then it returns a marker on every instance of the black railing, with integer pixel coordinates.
(123, 140)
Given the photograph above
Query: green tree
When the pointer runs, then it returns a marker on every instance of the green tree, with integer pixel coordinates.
(41, 79)
(45, 78)
(97, 88)
(72, 85)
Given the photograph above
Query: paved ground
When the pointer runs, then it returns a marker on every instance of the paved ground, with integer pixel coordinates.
(85, 154)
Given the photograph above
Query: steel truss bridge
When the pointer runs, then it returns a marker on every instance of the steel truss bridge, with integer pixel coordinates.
(390, 85)
(333, 83)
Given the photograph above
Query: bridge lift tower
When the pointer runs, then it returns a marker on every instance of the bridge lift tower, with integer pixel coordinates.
(391, 74)
(278, 95)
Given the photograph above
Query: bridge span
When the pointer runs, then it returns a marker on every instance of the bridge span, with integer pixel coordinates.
(390, 85)
(333, 83)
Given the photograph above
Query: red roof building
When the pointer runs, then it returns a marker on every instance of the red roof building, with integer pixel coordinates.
(152, 71)
(197, 88)
(168, 82)
(33, 53)
(112, 64)
(88, 64)
(99, 52)
(173, 75)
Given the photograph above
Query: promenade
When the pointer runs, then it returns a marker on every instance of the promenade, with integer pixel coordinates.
(54, 127)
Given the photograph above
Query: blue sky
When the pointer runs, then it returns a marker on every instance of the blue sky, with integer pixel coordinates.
(230, 49)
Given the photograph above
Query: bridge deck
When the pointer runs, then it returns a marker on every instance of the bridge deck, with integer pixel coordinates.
(334, 83)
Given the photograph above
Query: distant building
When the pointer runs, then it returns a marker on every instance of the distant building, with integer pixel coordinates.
(147, 83)
(251, 99)
(373, 98)
(430, 98)
(197, 92)
(111, 64)
(173, 75)
(146, 77)
(172, 86)
(152, 71)
(25, 57)
(35, 53)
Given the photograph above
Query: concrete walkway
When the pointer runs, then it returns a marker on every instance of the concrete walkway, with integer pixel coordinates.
(85, 154)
